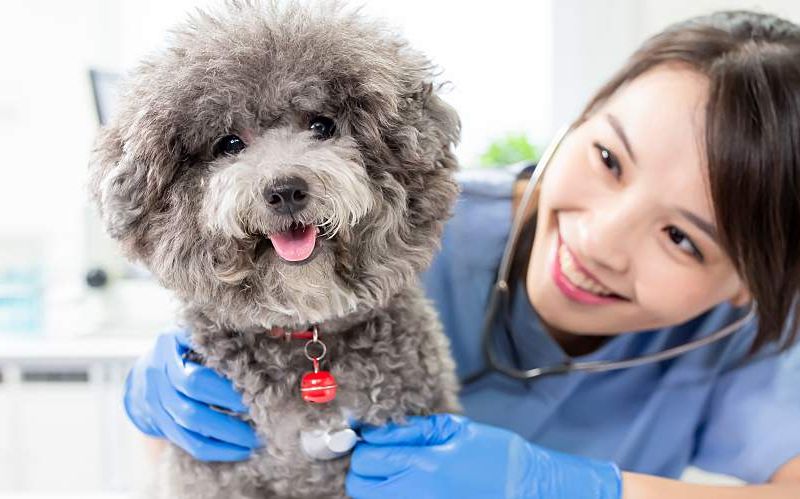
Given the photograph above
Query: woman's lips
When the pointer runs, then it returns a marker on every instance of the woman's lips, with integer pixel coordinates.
(572, 290)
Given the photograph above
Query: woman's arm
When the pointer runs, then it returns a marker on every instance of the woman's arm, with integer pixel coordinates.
(785, 484)
(451, 456)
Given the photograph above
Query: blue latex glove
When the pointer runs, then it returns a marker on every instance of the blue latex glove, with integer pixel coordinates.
(168, 396)
(447, 456)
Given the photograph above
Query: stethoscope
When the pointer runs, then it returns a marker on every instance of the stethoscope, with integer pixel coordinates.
(500, 298)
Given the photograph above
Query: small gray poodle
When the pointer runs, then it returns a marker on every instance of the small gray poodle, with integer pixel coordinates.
(287, 170)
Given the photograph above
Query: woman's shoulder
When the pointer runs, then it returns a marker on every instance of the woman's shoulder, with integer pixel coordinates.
(479, 227)
(490, 182)
(463, 270)
(718, 357)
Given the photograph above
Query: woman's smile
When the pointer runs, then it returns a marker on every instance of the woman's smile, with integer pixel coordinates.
(575, 282)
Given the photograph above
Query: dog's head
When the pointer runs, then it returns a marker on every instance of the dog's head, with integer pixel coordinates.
(279, 165)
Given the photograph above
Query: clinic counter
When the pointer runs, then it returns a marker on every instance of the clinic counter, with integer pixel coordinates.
(43, 350)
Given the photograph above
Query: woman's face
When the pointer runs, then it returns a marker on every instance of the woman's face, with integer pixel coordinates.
(626, 202)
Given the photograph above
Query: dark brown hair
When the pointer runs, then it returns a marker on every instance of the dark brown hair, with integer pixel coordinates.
(752, 62)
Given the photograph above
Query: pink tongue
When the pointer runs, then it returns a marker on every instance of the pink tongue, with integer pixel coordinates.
(295, 245)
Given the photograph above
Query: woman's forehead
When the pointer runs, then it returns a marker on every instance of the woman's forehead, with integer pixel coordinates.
(663, 111)
(661, 116)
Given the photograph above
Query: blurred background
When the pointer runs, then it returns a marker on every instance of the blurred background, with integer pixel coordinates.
(73, 314)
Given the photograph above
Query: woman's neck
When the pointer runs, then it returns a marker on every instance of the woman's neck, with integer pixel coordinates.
(575, 344)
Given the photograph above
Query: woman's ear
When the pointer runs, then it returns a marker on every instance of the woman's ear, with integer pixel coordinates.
(742, 297)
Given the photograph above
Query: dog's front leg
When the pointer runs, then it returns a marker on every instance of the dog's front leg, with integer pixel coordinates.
(180, 476)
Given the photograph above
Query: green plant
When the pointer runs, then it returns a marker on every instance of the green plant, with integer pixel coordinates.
(512, 148)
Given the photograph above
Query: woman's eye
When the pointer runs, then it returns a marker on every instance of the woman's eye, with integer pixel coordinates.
(609, 160)
(322, 126)
(229, 145)
(686, 245)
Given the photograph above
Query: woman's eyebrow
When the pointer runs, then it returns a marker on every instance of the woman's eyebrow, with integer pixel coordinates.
(701, 224)
(617, 126)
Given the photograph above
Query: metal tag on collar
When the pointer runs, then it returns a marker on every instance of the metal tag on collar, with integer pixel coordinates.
(318, 386)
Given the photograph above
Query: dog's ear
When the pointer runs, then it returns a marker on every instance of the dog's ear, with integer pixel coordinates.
(444, 120)
(439, 127)
(130, 168)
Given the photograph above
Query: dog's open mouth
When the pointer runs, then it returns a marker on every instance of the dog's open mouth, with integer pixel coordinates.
(293, 245)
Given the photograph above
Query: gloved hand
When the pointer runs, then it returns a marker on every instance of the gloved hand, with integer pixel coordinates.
(168, 396)
(445, 456)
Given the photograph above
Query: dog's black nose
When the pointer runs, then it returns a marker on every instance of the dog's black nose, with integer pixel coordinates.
(287, 196)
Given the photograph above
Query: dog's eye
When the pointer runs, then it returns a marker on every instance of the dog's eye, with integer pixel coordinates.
(322, 127)
(230, 145)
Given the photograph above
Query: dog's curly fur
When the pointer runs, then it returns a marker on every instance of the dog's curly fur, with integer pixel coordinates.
(380, 190)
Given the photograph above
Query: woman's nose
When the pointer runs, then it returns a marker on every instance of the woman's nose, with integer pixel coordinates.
(605, 240)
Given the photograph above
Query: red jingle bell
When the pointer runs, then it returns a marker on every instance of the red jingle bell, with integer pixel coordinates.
(318, 387)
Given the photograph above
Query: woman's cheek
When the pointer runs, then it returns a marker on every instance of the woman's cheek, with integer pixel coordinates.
(566, 180)
(673, 293)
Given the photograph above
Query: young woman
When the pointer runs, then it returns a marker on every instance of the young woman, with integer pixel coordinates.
(670, 209)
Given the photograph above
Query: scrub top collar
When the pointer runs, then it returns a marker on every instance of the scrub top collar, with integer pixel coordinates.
(533, 346)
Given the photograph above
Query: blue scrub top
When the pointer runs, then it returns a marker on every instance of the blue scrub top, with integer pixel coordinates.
(705, 408)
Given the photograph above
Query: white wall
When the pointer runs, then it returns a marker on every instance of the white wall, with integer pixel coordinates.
(592, 38)
(46, 123)
(497, 56)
